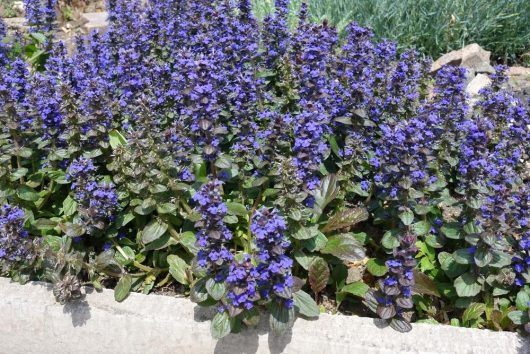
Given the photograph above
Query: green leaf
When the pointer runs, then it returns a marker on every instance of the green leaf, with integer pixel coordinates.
(318, 274)
(519, 317)
(500, 259)
(281, 318)
(153, 231)
(19, 173)
(305, 233)
(472, 228)
(376, 267)
(522, 299)
(163, 242)
(407, 217)
(303, 259)
(54, 242)
(106, 263)
(179, 269)
(251, 317)
(390, 240)
(305, 304)
(316, 243)
(236, 209)
(128, 256)
(230, 219)
(483, 256)
(215, 289)
(221, 325)
(223, 162)
(188, 240)
(198, 292)
(116, 139)
(166, 208)
(39, 37)
(345, 247)
(466, 285)
(463, 256)
(473, 312)
(451, 230)
(28, 194)
(73, 230)
(450, 266)
(123, 288)
(44, 224)
(362, 237)
(357, 288)
(69, 206)
(124, 219)
(421, 228)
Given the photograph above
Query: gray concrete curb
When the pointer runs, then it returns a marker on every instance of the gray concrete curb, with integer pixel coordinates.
(32, 322)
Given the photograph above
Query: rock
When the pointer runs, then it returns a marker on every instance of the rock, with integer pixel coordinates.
(451, 58)
(16, 24)
(478, 83)
(19, 8)
(519, 71)
(95, 21)
(484, 68)
(471, 56)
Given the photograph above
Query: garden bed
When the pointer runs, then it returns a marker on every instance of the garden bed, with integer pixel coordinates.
(190, 148)
(164, 324)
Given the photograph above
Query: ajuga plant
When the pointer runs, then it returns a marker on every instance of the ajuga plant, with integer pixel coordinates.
(261, 168)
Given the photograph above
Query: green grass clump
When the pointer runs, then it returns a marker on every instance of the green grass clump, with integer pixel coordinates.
(431, 26)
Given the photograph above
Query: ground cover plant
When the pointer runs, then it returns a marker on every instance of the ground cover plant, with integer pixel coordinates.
(432, 27)
(261, 167)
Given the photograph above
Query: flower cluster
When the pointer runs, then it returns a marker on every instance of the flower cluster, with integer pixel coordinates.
(274, 267)
(180, 95)
(15, 243)
(397, 286)
(3, 46)
(97, 201)
(213, 233)
(242, 284)
(41, 14)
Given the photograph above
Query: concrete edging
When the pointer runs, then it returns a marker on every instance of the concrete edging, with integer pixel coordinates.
(32, 322)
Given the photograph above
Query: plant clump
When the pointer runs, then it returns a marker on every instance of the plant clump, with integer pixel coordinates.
(261, 167)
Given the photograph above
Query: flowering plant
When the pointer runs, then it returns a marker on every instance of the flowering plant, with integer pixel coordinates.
(255, 165)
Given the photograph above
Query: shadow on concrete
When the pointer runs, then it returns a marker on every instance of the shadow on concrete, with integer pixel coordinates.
(79, 311)
(248, 340)
(525, 345)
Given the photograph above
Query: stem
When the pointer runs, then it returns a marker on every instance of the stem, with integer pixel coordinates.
(50, 192)
(17, 147)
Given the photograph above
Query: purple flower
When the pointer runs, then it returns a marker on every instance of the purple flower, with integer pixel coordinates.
(97, 201)
(213, 233)
(274, 267)
(15, 245)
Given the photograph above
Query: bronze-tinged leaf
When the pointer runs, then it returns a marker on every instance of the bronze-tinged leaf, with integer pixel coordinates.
(318, 274)
(386, 312)
(424, 285)
(345, 247)
(400, 325)
(405, 302)
(346, 218)
(325, 194)
(298, 284)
